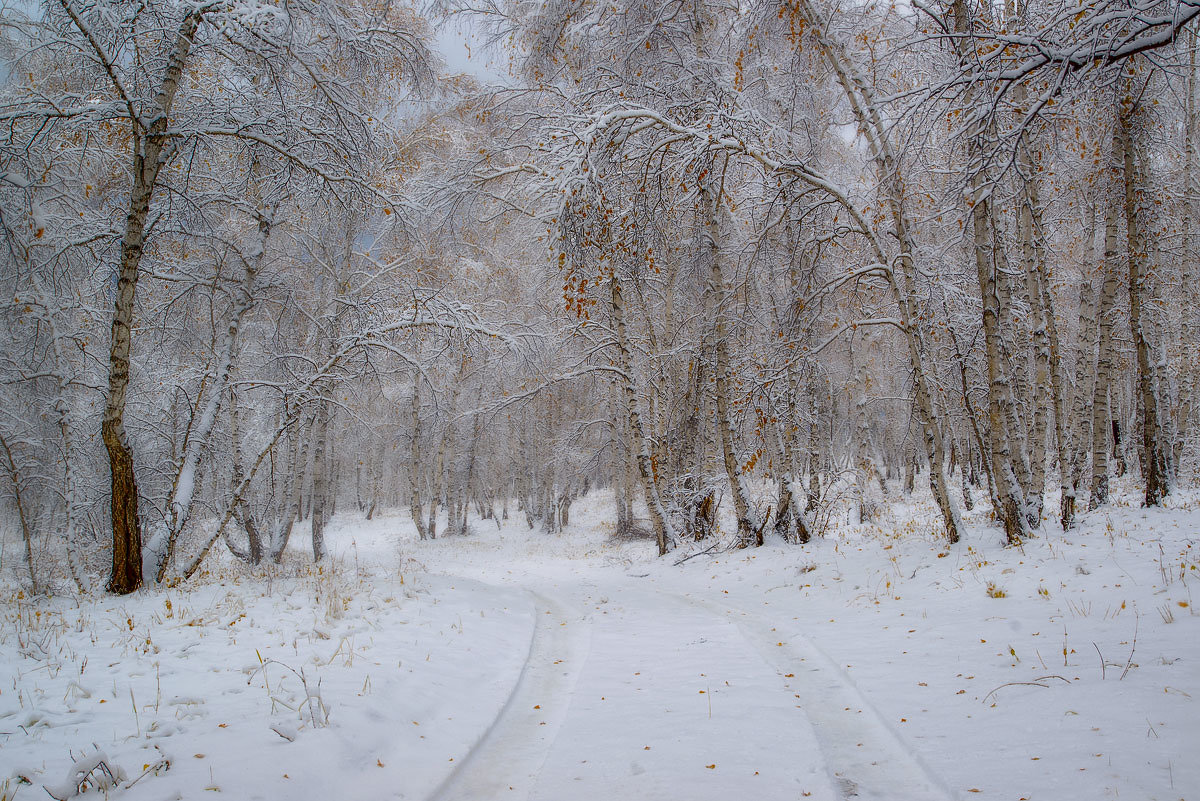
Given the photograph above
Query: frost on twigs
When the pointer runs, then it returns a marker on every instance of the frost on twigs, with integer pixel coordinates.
(95, 772)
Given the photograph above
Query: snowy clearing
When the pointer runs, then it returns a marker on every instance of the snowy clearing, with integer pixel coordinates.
(873, 664)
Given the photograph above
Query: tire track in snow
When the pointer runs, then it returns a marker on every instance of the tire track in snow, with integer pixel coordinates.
(506, 760)
(674, 704)
(867, 759)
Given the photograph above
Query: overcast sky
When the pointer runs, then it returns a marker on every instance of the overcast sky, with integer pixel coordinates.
(464, 51)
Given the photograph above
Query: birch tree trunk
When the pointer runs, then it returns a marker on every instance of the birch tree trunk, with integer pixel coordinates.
(150, 151)
(663, 532)
(472, 451)
(1105, 357)
(22, 516)
(183, 490)
(1140, 272)
(415, 474)
(254, 549)
(717, 294)
(320, 489)
(1079, 425)
(973, 421)
(1010, 511)
(451, 505)
(296, 495)
(1189, 328)
(1002, 419)
(1046, 392)
(862, 463)
(375, 473)
(791, 522)
(437, 486)
(1048, 354)
(691, 454)
(66, 427)
(814, 452)
(1017, 392)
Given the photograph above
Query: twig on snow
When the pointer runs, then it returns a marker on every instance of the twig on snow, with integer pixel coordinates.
(1038, 682)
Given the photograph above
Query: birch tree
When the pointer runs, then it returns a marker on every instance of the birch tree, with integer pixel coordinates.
(313, 120)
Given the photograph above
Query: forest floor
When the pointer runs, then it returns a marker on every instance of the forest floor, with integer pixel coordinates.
(875, 663)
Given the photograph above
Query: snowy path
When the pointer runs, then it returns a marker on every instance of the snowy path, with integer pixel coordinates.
(867, 758)
(652, 695)
(509, 756)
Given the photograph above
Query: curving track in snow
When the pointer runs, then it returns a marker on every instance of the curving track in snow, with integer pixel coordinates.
(506, 760)
(653, 695)
(866, 757)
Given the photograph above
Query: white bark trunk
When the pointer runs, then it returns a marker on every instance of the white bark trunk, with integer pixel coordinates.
(183, 489)
(717, 295)
(1106, 358)
(663, 531)
(320, 489)
(415, 474)
(1079, 424)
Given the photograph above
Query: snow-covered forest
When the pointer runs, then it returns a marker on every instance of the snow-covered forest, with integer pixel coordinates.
(332, 369)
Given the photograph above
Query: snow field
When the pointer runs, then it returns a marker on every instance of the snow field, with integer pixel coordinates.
(961, 650)
(404, 675)
(956, 653)
(874, 664)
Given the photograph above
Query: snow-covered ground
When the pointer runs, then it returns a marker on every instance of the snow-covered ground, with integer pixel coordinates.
(873, 664)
